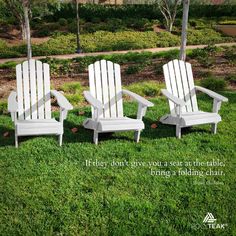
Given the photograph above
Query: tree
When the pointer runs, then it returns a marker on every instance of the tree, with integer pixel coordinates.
(78, 26)
(169, 9)
(17, 10)
(26, 4)
(182, 55)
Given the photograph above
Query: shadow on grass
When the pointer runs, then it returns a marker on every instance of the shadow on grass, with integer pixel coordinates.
(86, 136)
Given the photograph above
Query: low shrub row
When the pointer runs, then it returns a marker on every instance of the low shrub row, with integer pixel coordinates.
(108, 41)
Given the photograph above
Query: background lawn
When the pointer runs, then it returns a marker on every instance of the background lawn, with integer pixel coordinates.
(47, 190)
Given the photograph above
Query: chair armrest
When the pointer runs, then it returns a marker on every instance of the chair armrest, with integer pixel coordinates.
(212, 94)
(92, 100)
(12, 103)
(174, 99)
(61, 100)
(138, 98)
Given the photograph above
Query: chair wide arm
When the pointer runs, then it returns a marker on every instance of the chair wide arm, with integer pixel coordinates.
(93, 101)
(218, 99)
(64, 104)
(212, 94)
(61, 100)
(144, 102)
(12, 105)
(177, 101)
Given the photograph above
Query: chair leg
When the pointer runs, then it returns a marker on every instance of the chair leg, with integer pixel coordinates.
(16, 140)
(95, 137)
(213, 128)
(137, 135)
(178, 131)
(60, 139)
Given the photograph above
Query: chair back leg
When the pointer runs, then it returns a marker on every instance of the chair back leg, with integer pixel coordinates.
(60, 139)
(16, 140)
(178, 131)
(214, 128)
(95, 137)
(137, 136)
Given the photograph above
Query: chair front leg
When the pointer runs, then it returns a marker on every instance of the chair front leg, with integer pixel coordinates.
(141, 111)
(178, 126)
(216, 106)
(215, 109)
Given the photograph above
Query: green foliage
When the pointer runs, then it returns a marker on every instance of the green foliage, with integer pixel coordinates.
(166, 39)
(74, 99)
(213, 83)
(198, 23)
(73, 87)
(230, 54)
(227, 22)
(134, 69)
(3, 107)
(231, 78)
(62, 22)
(8, 65)
(206, 56)
(205, 36)
(73, 92)
(149, 89)
(107, 41)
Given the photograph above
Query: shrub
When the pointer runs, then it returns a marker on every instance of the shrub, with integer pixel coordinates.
(213, 83)
(107, 41)
(134, 69)
(231, 78)
(166, 39)
(150, 89)
(227, 22)
(73, 92)
(73, 87)
(230, 54)
(3, 107)
(8, 65)
(62, 22)
(43, 32)
(198, 23)
(72, 27)
(205, 36)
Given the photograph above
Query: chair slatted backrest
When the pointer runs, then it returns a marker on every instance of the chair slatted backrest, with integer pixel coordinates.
(179, 82)
(33, 90)
(105, 85)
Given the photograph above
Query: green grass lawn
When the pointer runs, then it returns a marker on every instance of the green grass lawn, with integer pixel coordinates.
(47, 190)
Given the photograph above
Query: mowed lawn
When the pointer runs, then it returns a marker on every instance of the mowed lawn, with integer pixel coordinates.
(47, 190)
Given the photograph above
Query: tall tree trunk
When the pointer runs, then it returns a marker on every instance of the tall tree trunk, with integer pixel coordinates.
(182, 55)
(27, 28)
(23, 30)
(78, 24)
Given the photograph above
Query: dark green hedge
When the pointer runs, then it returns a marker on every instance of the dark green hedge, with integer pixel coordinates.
(89, 11)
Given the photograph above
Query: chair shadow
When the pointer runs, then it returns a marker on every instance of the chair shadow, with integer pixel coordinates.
(7, 136)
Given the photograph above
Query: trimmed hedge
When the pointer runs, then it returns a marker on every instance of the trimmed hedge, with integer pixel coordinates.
(108, 41)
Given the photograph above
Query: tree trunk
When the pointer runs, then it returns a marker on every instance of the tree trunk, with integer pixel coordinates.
(170, 26)
(27, 28)
(23, 30)
(182, 55)
(78, 30)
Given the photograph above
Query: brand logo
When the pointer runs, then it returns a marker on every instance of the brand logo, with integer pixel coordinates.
(209, 218)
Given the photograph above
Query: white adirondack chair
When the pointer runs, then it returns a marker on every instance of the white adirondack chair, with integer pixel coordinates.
(181, 93)
(30, 105)
(105, 97)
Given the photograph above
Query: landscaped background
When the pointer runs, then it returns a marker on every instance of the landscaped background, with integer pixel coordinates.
(47, 190)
